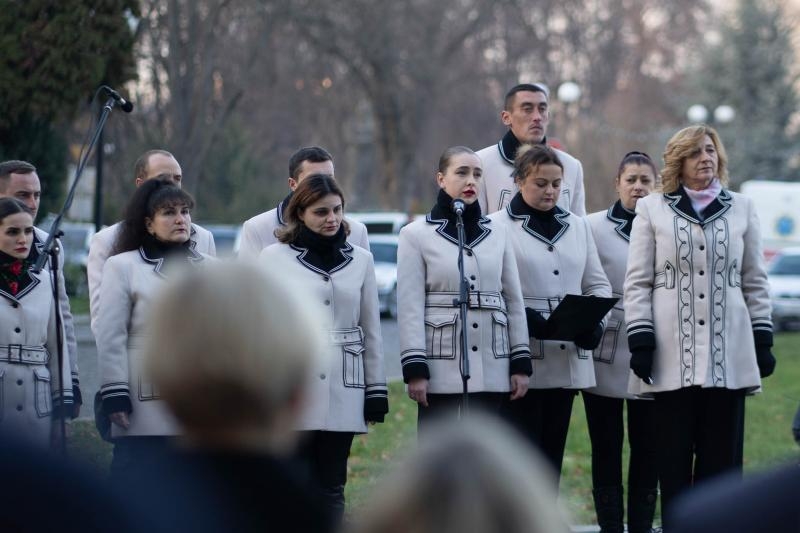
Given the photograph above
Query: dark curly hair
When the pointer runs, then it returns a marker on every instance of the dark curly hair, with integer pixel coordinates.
(149, 197)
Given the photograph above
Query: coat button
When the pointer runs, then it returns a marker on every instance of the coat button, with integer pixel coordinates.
(555, 272)
(550, 248)
(471, 285)
(702, 272)
(322, 376)
(701, 322)
(17, 330)
(475, 325)
(472, 277)
(474, 348)
(19, 408)
(563, 346)
(702, 247)
(14, 305)
(325, 278)
(327, 302)
(702, 296)
(469, 253)
(19, 382)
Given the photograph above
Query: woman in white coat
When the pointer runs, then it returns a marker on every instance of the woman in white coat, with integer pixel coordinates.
(698, 311)
(556, 256)
(427, 283)
(32, 397)
(605, 402)
(152, 245)
(348, 388)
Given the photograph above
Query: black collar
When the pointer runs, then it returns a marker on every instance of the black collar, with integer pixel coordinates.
(623, 218)
(681, 204)
(159, 253)
(509, 145)
(281, 209)
(321, 254)
(547, 226)
(25, 280)
(475, 229)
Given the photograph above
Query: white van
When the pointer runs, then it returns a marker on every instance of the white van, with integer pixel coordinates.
(778, 206)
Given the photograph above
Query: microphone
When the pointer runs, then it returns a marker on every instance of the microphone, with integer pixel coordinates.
(123, 104)
(458, 207)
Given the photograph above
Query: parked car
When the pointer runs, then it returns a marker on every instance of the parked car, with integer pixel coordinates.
(784, 280)
(381, 222)
(384, 252)
(227, 238)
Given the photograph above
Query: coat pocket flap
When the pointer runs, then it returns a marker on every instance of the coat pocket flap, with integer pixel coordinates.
(353, 349)
(42, 374)
(500, 318)
(437, 321)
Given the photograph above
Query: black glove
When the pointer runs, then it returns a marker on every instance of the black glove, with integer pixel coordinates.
(796, 426)
(375, 409)
(765, 360)
(589, 340)
(537, 324)
(642, 364)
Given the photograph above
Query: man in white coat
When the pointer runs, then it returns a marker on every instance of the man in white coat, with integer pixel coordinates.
(151, 164)
(526, 113)
(18, 179)
(259, 231)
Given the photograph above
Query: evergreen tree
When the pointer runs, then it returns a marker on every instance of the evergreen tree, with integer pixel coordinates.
(55, 54)
(751, 69)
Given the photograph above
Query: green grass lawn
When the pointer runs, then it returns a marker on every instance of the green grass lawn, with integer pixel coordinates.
(768, 439)
(79, 305)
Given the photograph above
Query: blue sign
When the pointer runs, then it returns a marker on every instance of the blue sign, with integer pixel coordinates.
(784, 226)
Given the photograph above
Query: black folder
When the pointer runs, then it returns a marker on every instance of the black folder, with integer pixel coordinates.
(578, 314)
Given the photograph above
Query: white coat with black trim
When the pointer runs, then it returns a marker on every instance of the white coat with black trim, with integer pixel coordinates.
(549, 269)
(30, 378)
(697, 292)
(131, 283)
(346, 299)
(430, 326)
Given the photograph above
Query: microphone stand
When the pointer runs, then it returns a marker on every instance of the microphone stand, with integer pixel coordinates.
(50, 250)
(463, 303)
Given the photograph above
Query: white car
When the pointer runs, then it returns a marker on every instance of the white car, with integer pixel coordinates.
(784, 281)
(381, 222)
(384, 252)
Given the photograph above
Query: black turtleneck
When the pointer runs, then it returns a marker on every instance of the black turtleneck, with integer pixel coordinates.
(170, 252)
(511, 144)
(323, 252)
(443, 210)
(544, 223)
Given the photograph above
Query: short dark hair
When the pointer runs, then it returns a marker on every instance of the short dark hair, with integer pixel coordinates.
(310, 190)
(141, 165)
(149, 197)
(636, 158)
(522, 87)
(312, 154)
(12, 206)
(14, 166)
(532, 156)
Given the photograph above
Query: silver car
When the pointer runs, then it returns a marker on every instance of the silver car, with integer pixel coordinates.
(384, 252)
(784, 281)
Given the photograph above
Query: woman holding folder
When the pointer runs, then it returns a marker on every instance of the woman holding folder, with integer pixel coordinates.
(556, 255)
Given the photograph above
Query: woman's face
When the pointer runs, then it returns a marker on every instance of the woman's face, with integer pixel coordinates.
(16, 235)
(636, 181)
(170, 223)
(324, 216)
(541, 186)
(462, 177)
(700, 167)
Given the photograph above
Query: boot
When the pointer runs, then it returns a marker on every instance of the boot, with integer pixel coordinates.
(641, 509)
(608, 505)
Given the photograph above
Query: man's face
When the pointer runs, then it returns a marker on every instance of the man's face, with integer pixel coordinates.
(307, 168)
(528, 117)
(159, 164)
(25, 188)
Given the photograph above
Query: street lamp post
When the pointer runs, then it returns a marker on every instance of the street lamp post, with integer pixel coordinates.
(568, 93)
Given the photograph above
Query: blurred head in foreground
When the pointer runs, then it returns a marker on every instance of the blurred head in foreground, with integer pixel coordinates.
(474, 476)
(230, 353)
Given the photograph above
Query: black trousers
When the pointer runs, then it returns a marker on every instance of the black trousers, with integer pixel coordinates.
(607, 433)
(542, 416)
(448, 406)
(324, 454)
(699, 436)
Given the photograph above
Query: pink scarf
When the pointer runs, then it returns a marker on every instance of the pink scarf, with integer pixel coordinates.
(700, 199)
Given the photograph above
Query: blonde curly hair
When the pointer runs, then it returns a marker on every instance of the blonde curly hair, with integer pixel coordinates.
(681, 146)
